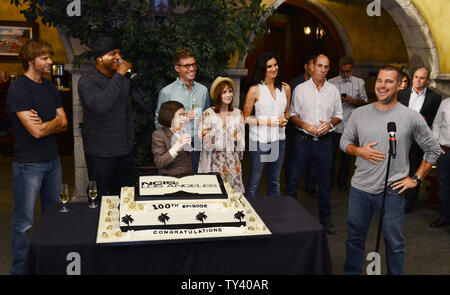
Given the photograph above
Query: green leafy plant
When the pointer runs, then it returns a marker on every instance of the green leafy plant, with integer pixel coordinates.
(214, 30)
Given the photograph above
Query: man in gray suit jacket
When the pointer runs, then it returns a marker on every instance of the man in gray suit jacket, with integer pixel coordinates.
(423, 100)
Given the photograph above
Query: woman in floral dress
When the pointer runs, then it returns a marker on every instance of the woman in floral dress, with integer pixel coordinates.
(223, 135)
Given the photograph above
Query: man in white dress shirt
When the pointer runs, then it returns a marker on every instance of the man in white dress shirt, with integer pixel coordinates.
(441, 131)
(353, 95)
(315, 110)
(423, 100)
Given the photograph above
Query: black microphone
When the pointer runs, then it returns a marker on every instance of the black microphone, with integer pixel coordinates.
(391, 129)
(129, 74)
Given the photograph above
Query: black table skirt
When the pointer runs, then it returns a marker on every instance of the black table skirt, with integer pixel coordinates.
(298, 245)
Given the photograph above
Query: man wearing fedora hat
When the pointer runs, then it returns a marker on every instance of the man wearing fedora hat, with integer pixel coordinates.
(107, 119)
(193, 95)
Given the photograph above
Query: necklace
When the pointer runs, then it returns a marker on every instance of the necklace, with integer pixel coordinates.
(223, 116)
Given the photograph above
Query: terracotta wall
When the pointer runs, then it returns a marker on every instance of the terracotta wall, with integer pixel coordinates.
(436, 14)
(49, 34)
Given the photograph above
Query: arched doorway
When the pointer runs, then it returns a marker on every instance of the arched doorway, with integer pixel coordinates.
(419, 41)
(416, 34)
(297, 30)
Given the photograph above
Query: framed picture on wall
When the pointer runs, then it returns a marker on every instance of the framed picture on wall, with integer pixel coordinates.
(13, 34)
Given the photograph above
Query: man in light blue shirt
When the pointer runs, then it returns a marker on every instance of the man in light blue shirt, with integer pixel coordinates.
(193, 95)
(353, 95)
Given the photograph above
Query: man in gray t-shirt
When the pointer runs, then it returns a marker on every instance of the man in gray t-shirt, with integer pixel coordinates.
(366, 137)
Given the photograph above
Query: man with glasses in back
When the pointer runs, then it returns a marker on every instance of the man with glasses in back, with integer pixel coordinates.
(193, 95)
(353, 95)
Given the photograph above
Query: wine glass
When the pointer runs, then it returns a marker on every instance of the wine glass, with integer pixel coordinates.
(196, 108)
(186, 130)
(64, 197)
(93, 193)
(320, 117)
(282, 119)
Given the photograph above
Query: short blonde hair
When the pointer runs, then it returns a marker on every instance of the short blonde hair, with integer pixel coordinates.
(32, 49)
(182, 53)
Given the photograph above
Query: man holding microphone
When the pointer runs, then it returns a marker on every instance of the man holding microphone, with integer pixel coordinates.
(107, 119)
(366, 137)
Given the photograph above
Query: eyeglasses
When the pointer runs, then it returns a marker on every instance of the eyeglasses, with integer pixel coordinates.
(188, 66)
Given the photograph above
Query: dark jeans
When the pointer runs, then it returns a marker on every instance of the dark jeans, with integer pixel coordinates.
(195, 154)
(311, 178)
(29, 181)
(361, 206)
(310, 174)
(443, 174)
(305, 152)
(344, 163)
(195, 159)
(110, 173)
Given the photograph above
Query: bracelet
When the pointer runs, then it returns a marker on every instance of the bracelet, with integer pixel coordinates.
(332, 126)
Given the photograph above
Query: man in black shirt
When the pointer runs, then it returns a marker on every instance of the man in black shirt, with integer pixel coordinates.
(107, 120)
(34, 106)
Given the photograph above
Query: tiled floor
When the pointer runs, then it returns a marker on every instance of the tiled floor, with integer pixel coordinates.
(428, 250)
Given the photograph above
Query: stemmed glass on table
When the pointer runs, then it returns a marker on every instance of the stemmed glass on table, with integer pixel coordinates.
(64, 197)
(93, 193)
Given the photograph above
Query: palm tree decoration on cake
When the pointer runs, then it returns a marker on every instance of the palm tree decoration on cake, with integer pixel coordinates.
(201, 217)
(163, 218)
(239, 215)
(127, 219)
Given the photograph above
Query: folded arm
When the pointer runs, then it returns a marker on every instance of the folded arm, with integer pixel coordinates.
(38, 129)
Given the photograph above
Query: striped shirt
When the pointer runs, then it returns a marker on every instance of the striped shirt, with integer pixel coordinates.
(198, 98)
(353, 87)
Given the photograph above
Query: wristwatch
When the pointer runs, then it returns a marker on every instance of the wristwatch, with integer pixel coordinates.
(331, 124)
(416, 178)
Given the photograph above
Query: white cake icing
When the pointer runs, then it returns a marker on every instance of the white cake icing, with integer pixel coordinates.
(170, 214)
(182, 215)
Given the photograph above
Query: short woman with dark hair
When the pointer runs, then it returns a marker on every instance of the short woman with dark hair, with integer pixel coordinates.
(170, 145)
(405, 81)
(222, 131)
(270, 98)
